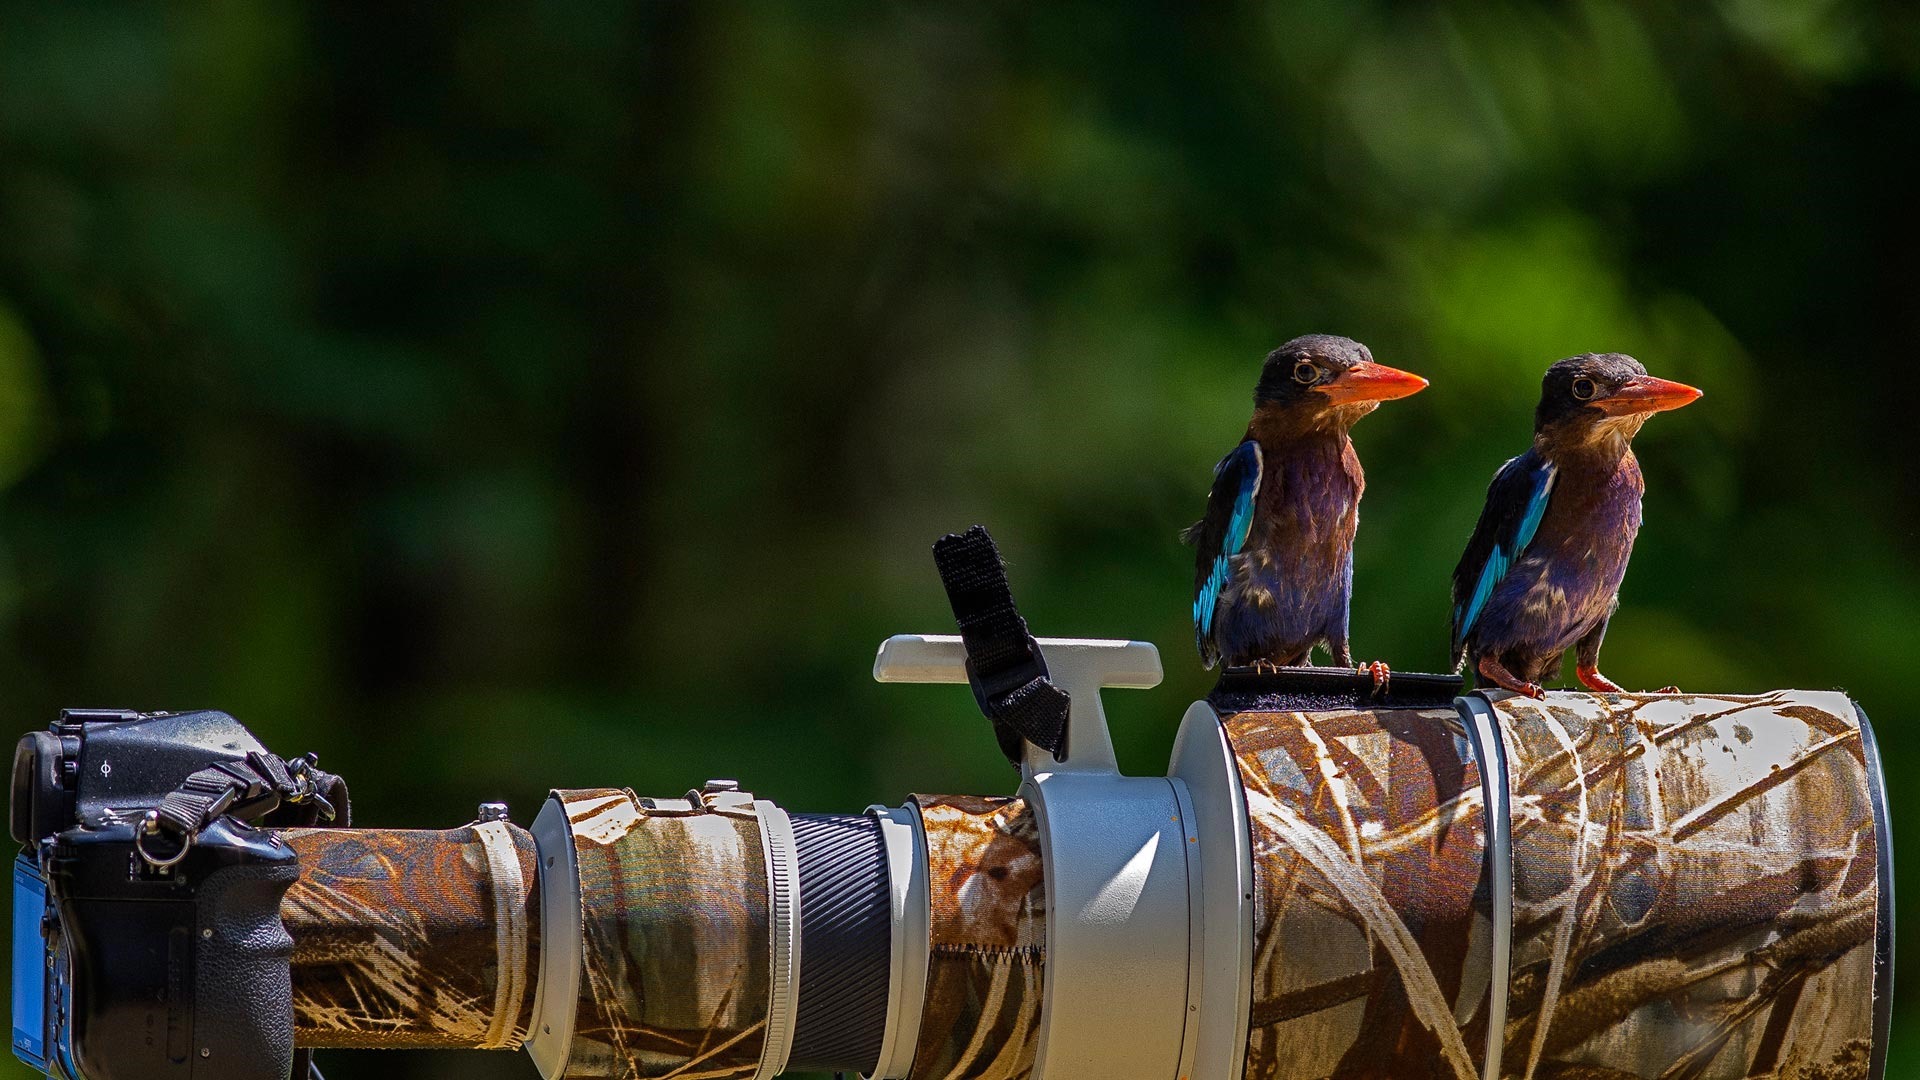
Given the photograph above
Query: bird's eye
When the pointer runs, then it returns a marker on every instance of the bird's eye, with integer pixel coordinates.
(1305, 374)
(1583, 389)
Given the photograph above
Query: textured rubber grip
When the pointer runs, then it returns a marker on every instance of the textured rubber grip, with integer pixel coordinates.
(846, 943)
(243, 1003)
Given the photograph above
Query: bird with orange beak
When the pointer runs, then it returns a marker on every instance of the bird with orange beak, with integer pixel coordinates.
(1273, 575)
(1542, 573)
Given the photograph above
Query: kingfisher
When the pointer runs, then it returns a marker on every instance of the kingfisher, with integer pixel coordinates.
(1542, 572)
(1273, 571)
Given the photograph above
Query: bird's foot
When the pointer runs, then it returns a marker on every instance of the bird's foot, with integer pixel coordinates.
(1591, 678)
(1381, 674)
(1492, 671)
(1265, 667)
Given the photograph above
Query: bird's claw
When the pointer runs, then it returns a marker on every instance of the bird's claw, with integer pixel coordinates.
(1492, 670)
(1265, 667)
(1380, 672)
(1591, 678)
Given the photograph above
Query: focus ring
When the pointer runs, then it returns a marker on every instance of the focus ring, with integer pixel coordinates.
(846, 927)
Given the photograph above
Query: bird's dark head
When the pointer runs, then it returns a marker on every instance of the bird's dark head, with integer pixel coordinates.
(1325, 381)
(1601, 398)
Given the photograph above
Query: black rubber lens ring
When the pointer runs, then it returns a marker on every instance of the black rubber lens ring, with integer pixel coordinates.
(846, 944)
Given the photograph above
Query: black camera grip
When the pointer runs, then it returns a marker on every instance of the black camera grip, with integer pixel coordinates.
(243, 1004)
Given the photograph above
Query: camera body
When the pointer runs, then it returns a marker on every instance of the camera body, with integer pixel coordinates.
(134, 956)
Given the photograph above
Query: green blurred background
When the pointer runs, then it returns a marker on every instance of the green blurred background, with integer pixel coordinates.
(505, 398)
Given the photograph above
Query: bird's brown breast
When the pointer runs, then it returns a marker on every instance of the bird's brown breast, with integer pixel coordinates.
(1310, 498)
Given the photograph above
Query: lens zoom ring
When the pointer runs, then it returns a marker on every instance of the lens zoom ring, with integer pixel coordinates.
(846, 944)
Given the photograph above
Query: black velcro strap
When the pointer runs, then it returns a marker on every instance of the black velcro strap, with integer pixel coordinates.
(1004, 663)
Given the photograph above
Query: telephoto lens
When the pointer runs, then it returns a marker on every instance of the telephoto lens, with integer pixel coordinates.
(1334, 879)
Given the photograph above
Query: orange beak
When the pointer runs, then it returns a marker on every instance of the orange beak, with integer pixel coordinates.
(1646, 394)
(1371, 382)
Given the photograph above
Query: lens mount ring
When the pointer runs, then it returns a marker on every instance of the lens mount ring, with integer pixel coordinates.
(783, 911)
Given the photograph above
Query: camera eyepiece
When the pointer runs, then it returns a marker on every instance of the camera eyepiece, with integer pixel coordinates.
(41, 803)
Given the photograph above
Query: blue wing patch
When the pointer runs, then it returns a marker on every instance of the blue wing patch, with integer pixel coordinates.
(1507, 548)
(1246, 459)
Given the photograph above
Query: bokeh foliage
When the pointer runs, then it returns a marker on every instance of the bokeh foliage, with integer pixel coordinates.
(514, 396)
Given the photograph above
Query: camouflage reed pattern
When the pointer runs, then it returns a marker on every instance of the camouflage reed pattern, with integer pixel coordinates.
(1372, 932)
(413, 938)
(675, 921)
(1696, 888)
(982, 1015)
